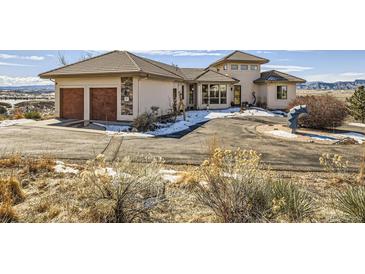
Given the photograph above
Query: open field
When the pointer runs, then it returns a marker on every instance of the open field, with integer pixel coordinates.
(339, 94)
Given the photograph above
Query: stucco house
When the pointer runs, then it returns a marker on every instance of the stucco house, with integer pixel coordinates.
(119, 86)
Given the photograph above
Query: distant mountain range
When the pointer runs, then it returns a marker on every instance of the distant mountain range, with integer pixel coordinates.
(31, 89)
(335, 86)
(340, 85)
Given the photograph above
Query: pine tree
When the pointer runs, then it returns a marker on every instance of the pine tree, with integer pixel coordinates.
(356, 104)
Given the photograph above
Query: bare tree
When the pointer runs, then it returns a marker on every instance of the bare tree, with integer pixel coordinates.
(62, 59)
(86, 55)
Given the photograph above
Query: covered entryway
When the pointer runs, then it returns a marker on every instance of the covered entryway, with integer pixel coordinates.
(103, 104)
(72, 103)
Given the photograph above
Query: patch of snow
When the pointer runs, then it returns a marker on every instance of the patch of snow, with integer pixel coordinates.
(105, 171)
(282, 133)
(169, 175)
(7, 123)
(320, 137)
(360, 138)
(193, 117)
(357, 124)
(61, 168)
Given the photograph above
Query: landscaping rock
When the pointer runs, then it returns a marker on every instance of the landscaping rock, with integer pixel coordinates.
(347, 141)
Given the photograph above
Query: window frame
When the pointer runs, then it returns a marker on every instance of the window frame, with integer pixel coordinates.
(254, 66)
(222, 100)
(234, 65)
(244, 65)
(280, 90)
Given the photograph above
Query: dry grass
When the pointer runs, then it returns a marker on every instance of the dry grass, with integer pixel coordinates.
(11, 161)
(94, 196)
(10, 191)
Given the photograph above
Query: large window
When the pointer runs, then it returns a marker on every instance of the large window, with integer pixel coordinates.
(244, 67)
(234, 67)
(223, 94)
(205, 98)
(254, 67)
(214, 94)
(282, 92)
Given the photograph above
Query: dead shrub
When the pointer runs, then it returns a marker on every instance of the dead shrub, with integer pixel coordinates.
(43, 164)
(11, 161)
(18, 114)
(233, 185)
(323, 111)
(212, 144)
(124, 193)
(145, 122)
(233, 188)
(7, 213)
(10, 191)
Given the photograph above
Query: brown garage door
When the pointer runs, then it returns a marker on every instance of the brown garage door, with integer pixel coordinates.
(103, 104)
(72, 103)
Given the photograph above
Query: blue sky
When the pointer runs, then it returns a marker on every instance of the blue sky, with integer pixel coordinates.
(21, 67)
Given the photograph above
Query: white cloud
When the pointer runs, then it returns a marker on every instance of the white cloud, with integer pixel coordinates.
(287, 68)
(12, 56)
(179, 53)
(263, 52)
(334, 77)
(282, 60)
(14, 64)
(22, 81)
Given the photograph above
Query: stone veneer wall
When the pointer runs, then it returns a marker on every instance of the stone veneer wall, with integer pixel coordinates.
(127, 96)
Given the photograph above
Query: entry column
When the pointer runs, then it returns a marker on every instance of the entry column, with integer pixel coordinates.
(87, 103)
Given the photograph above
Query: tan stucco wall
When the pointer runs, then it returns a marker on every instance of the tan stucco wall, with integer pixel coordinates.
(246, 78)
(270, 90)
(152, 92)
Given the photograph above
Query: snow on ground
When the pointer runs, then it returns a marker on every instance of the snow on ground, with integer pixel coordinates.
(169, 175)
(282, 133)
(357, 124)
(7, 123)
(105, 171)
(61, 168)
(320, 137)
(193, 118)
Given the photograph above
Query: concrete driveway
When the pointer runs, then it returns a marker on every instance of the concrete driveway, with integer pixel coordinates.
(76, 144)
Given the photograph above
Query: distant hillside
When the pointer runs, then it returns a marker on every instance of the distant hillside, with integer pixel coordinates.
(345, 85)
(30, 89)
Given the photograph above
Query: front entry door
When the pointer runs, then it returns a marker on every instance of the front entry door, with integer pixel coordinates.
(237, 95)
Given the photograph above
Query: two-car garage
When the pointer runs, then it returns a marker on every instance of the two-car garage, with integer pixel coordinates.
(102, 104)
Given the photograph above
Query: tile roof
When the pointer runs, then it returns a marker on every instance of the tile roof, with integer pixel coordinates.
(214, 76)
(116, 62)
(113, 62)
(239, 56)
(277, 76)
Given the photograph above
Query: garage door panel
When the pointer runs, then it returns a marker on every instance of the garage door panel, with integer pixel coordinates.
(72, 103)
(103, 104)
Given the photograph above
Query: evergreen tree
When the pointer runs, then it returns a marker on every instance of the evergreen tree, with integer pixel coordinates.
(356, 104)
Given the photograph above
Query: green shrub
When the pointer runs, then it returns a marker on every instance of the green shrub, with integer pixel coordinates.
(144, 122)
(291, 202)
(351, 203)
(32, 115)
(323, 111)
